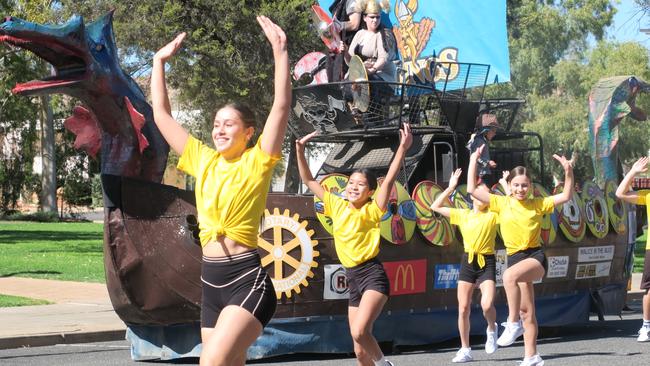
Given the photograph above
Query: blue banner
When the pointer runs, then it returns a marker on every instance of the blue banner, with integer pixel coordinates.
(446, 276)
(454, 31)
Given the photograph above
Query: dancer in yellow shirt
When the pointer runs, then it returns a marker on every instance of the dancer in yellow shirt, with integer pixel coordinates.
(478, 265)
(232, 182)
(520, 219)
(642, 197)
(355, 223)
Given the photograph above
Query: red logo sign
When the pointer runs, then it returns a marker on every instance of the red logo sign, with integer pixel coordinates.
(407, 277)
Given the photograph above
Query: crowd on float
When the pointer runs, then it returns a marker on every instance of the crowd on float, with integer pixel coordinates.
(232, 181)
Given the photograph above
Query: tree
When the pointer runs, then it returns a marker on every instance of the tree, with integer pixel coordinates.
(225, 56)
(561, 118)
(541, 33)
(18, 118)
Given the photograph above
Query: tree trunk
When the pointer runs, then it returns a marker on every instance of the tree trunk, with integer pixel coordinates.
(48, 156)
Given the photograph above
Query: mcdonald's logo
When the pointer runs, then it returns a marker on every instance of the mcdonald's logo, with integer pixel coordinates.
(407, 277)
(406, 272)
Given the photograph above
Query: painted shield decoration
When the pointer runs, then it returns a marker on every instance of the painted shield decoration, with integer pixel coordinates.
(309, 64)
(617, 210)
(596, 211)
(333, 183)
(461, 198)
(398, 223)
(571, 218)
(435, 228)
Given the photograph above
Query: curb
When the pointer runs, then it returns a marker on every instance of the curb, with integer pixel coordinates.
(62, 338)
(635, 295)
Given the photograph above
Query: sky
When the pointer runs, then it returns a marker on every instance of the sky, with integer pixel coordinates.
(627, 22)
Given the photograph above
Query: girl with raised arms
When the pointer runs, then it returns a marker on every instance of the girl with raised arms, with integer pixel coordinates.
(478, 265)
(355, 224)
(232, 182)
(520, 217)
(641, 197)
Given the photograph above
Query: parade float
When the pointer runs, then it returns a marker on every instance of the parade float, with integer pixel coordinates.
(151, 247)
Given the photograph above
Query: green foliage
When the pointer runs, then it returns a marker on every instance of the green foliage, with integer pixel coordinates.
(40, 216)
(96, 194)
(61, 251)
(77, 189)
(225, 56)
(562, 117)
(541, 33)
(19, 115)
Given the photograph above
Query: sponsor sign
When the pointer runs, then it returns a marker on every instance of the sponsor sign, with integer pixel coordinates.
(558, 266)
(446, 276)
(336, 283)
(501, 259)
(407, 277)
(596, 254)
(592, 270)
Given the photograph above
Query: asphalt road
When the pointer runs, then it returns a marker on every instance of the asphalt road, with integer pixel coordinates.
(612, 342)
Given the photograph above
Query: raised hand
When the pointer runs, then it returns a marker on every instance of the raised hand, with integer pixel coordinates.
(640, 166)
(273, 33)
(475, 155)
(567, 165)
(406, 138)
(300, 143)
(170, 48)
(453, 179)
(504, 175)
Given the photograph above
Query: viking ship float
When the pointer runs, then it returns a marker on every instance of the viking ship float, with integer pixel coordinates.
(151, 247)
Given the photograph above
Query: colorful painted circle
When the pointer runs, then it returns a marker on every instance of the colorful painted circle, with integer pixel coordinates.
(333, 183)
(571, 220)
(617, 210)
(398, 223)
(435, 228)
(461, 198)
(595, 205)
(549, 221)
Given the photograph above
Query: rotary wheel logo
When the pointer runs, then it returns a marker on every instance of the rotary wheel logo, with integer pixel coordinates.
(290, 250)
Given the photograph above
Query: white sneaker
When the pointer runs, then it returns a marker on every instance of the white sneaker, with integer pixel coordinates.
(644, 334)
(463, 355)
(491, 340)
(510, 334)
(532, 361)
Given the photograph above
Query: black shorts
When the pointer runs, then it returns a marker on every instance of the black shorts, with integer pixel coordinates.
(535, 253)
(236, 280)
(645, 278)
(472, 273)
(369, 275)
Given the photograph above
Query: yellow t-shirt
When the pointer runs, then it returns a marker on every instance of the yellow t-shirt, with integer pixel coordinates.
(230, 195)
(479, 230)
(521, 221)
(644, 199)
(355, 232)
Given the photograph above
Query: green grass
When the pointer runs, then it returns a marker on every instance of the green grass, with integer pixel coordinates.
(639, 253)
(58, 251)
(10, 301)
